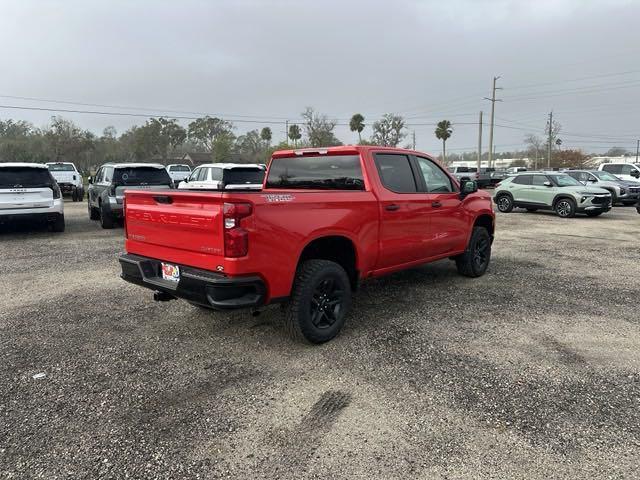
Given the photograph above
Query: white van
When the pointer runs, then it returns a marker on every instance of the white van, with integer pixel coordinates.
(624, 171)
(28, 191)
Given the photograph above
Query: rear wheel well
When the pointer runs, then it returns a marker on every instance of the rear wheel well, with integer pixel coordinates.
(485, 221)
(336, 249)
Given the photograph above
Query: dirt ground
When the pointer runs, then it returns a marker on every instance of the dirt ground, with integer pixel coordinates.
(532, 371)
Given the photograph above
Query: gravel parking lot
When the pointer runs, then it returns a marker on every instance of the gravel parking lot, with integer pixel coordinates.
(532, 371)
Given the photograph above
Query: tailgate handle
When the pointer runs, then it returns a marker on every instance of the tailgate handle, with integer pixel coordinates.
(163, 199)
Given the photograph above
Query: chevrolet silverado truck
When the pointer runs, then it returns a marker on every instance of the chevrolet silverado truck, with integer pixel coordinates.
(69, 179)
(325, 220)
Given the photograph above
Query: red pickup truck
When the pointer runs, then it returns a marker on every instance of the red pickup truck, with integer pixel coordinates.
(325, 220)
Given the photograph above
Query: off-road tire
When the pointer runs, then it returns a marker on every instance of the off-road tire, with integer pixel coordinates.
(504, 203)
(468, 263)
(298, 316)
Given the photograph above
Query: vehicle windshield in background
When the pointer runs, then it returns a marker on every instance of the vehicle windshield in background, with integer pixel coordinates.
(565, 181)
(467, 169)
(141, 176)
(240, 176)
(179, 168)
(326, 172)
(61, 167)
(606, 176)
(24, 177)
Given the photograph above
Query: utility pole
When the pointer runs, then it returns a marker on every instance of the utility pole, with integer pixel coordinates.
(286, 131)
(637, 150)
(493, 101)
(549, 145)
(414, 140)
(480, 141)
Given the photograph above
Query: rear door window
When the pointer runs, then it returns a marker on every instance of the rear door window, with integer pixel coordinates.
(522, 180)
(25, 177)
(396, 173)
(323, 172)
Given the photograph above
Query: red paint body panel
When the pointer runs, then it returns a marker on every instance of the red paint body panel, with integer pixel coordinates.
(189, 229)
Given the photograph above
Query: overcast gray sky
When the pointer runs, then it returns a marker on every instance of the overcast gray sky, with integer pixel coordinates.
(260, 61)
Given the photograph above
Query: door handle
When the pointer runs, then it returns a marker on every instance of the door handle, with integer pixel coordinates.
(392, 208)
(436, 204)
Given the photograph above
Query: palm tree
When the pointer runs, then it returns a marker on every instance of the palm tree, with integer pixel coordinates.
(357, 125)
(443, 132)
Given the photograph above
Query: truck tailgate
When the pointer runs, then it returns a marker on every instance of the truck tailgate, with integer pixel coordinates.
(173, 225)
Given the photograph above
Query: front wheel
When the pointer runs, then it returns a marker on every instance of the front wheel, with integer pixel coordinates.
(505, 203)
(565, 208)
(475, 260)
(319, 303)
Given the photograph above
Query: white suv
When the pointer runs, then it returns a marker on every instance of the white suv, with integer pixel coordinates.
(29, 192)
(624, 171)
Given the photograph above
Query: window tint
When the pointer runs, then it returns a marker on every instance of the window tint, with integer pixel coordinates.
(60, 167)
(612, 168)
(25, 177)
(523, 179)
(395, 173)
(627, 169)
(179, 168)
(239, 176)
(326, 172)
(538, 180)
(437, 181)
(141, 176)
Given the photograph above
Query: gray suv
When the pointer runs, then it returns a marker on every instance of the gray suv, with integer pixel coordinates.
(106, 190)
(622, 191)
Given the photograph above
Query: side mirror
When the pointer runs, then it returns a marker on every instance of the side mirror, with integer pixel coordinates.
(592, 179)
(635, 173)
(548, 184)
(90, 179)
(467, 186)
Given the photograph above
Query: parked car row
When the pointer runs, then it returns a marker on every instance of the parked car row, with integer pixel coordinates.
(566, 193)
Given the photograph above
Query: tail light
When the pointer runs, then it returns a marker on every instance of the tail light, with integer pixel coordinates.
(477, 175)
(236, 238)
(56, 191)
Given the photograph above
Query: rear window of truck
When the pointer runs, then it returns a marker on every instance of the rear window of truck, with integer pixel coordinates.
(25, 177)
(141, 176)
(61, 167)
(323, 172)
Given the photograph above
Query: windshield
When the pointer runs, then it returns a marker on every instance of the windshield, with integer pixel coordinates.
(61, 167)
(141, 176)
(24, 177)
(606, 176)
(565, 181)
(239, 176)
(327, 172)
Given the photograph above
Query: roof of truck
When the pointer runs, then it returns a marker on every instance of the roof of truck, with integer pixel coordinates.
(344, 149)
(23, 164)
